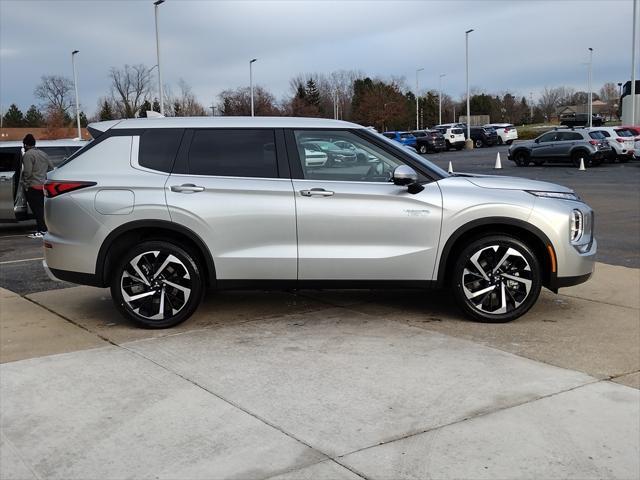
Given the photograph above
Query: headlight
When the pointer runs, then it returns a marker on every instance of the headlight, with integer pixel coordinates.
(581, 230)
(561, 195)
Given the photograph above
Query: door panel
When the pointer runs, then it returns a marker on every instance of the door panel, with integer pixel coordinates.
(367, 231)
(9, 168)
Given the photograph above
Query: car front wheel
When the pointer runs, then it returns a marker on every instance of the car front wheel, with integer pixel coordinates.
(496, 279)
(422, 148)
(157, 284)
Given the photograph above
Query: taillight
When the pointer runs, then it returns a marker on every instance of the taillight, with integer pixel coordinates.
(620, 140)
(506, 129)
(593, 142)
(53, 188)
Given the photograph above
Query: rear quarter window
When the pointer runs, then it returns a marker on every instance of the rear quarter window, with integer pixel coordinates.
(158, 148)
(598, 135)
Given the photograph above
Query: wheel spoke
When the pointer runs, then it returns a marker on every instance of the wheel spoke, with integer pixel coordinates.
(475, 263)
(139, 296)
(480, 292)
(525, 281)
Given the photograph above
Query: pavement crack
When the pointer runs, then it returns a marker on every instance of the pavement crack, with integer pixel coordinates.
(466, 419)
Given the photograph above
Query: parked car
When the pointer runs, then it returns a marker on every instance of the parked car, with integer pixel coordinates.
(361, 155)
(507, 133)
(453, 136)
(429, 141)
(13, 203)
(334, 153)
(581, 120)
(314, 157)
(483, 136)
(635, 131)
(160, 210)
(621, 142)
(405, 138)
(562, 145)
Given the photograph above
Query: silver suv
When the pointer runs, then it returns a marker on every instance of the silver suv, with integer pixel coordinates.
(159, 210)
(562, 145)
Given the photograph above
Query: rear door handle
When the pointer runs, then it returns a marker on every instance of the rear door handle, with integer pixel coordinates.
(187, 188)
(321, 192)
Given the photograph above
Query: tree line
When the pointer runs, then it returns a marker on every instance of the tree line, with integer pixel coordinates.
(345, 94)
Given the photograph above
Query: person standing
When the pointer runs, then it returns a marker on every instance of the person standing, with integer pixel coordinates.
(35, 165)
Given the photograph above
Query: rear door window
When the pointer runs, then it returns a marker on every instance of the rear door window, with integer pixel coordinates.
(233, 153)
(599, 135)
(55, 154)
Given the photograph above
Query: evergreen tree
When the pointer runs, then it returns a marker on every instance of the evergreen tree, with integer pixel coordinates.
(156, 105)
(312, 93)
(13, 117)
(33, 117)
(301, 93)
(177, 109)
(106, 113)
(83, 120)
(144, 108)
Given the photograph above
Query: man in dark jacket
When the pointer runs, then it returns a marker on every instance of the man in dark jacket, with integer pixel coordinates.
(35, 165)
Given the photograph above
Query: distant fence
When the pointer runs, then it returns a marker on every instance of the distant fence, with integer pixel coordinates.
(42, 133)
(476, 120)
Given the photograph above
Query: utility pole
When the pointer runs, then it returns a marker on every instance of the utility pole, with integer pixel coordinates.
(251, 83)
(156, 4)
(590, 88)
(417, 98)
(75, 86)
(633, 62)
(440, 99)
(469, 143)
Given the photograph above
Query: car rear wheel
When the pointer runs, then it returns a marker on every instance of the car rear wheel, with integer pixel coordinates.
(623, 158)
(157, 284)
(496, 279)
(577, 156)
(422, 148)
(521, 158)
(479, 143)
(500, 142)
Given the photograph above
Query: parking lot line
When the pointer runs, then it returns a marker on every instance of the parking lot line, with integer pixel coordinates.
(23, 260)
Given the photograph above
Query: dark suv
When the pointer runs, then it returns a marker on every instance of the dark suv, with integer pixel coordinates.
(483, 136)
(562, 145)
(429, 141)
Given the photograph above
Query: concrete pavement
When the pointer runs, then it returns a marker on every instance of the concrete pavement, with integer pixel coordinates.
(331, 384)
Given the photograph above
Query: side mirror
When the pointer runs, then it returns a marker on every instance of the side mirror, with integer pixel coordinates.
(404, 175)
(537, 140)
(407, 176)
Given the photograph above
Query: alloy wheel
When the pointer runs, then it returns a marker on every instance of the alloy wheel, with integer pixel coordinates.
(497, 279)
(155, 285)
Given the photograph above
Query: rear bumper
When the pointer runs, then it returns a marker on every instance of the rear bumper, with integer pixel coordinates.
(72, 277)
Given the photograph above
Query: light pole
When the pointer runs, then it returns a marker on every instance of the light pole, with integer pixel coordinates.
(75, 86)
(633, 63)
(590, 100)
(440, 99)
(156, 4)
(469, 143)
(417, 97)
(251, 83)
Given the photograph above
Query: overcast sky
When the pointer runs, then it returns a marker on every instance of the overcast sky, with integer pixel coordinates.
(518, 46)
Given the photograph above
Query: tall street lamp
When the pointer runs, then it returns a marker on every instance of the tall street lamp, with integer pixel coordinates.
(75, 86)
(156, 4)
(440, 99)
(469, 143)
(590, 89)
(633, 62)
(251, 83)
(417, 97)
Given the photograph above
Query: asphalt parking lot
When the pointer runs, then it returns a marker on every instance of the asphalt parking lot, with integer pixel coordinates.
(331, 384)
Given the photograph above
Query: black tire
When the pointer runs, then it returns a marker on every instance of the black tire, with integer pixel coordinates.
(162, 267)
(500, 299)
(500, 142)
(459, 147)
(447, 145)
(422, 148)
(521, 157)
(479, 143)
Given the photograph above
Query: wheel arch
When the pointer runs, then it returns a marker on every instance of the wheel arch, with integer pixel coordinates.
(141, 230)
(535, 238)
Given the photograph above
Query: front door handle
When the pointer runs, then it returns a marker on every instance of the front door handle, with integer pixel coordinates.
(321, 192)
(187, 188)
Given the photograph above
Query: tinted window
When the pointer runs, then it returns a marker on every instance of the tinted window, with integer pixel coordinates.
(548, 137)
(456, 131)
(158, 148)
(233, 153)
(598, 135)
(55, 154)
(9, 159)
(571, 136)
(624, 133)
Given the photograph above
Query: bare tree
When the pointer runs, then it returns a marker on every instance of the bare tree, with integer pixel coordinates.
(186, 105)
(550, 100)
(55, 92)
(238, 102)
(130, 87)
